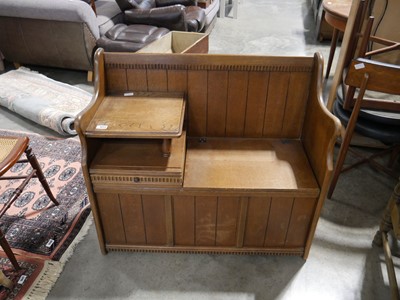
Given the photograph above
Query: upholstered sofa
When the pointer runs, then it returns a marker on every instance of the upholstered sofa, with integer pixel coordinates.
(60, 33)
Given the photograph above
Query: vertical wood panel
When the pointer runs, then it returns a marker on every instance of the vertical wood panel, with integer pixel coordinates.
(132, 215)
(206, 217)
(227, 219)
(168, 220)
(296, 104)
(184, 218)
(276, 102)
(197, 103)
(244, 203)
(137, 80)
(257, 220)
(256, 103)
(110, 211)
(154, 219)
(278, 221)
(177, 81)
(236, 103)
(157, 80)
(217, 97)
(303, 210)
(116, 80)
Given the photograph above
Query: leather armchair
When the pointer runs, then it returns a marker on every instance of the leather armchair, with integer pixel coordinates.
(180, 15)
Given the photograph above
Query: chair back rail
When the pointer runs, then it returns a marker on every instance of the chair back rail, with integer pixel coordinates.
(383, 78)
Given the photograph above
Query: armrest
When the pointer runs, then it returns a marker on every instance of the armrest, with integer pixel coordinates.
(161, 3)
(171, 17)
(60, 10)
(320, 131)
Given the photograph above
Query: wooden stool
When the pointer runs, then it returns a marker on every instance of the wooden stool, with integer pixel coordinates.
(11, 149)
(336, 13)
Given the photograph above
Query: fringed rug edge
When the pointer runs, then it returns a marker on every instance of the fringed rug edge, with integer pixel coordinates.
(78, 238)
(45, 281)
(52, 270)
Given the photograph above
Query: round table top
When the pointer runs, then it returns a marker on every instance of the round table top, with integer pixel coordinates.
(339, 8)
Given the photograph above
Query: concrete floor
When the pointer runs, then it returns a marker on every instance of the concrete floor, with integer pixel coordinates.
(342, 263)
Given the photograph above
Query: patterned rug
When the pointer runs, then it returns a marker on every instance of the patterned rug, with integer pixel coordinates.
(42, 100)
(33, 281)
(33, 226)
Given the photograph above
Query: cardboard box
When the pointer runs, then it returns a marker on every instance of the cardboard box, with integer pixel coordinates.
(178, 42)
(204, 3)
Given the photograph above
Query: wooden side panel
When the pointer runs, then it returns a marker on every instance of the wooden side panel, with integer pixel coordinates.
(217, 90)
(206, 219)
(276, 103)
(111, 217)
(302, 213)
(157, 80)
(116, 80)
(257, 220)
(184, 218)
(278, 222)
(154, 219)
(236, 103)
(256, 103)
(227, 219)
(137, 80)
(177, 81)
(296, 105)
(132, 215)
(197, 104)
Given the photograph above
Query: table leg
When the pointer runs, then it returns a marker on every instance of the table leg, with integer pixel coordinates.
(166, 147)
(222, 8)
(235, 8)
(335, 36)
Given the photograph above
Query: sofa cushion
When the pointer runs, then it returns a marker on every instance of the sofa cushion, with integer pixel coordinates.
(130, 38)
(108, 14)
(195, 18)
(142, 4)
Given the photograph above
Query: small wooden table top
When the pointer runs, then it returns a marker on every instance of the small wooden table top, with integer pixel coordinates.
(337, 12)
(139, 115)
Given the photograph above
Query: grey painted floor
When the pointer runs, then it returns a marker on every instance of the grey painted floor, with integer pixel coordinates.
(342, 263)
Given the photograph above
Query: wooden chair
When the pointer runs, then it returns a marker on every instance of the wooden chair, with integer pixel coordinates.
(366, 39)
(390, 222)
(11, 150)
(365, 74)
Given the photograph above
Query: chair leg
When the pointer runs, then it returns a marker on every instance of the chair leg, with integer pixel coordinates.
(385, 225)
(35, 165)
(340, 160)
(17, 192)
(381, 240)
(4, 281)
(347, 137)
(395, 154)
(6, 247)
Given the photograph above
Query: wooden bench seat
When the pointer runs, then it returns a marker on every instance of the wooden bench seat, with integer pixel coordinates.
(249, 165)
(250, 155)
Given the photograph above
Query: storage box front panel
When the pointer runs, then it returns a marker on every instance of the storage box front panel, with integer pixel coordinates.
(223, 222)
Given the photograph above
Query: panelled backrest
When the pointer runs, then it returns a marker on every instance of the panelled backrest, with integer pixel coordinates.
(228, 96)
